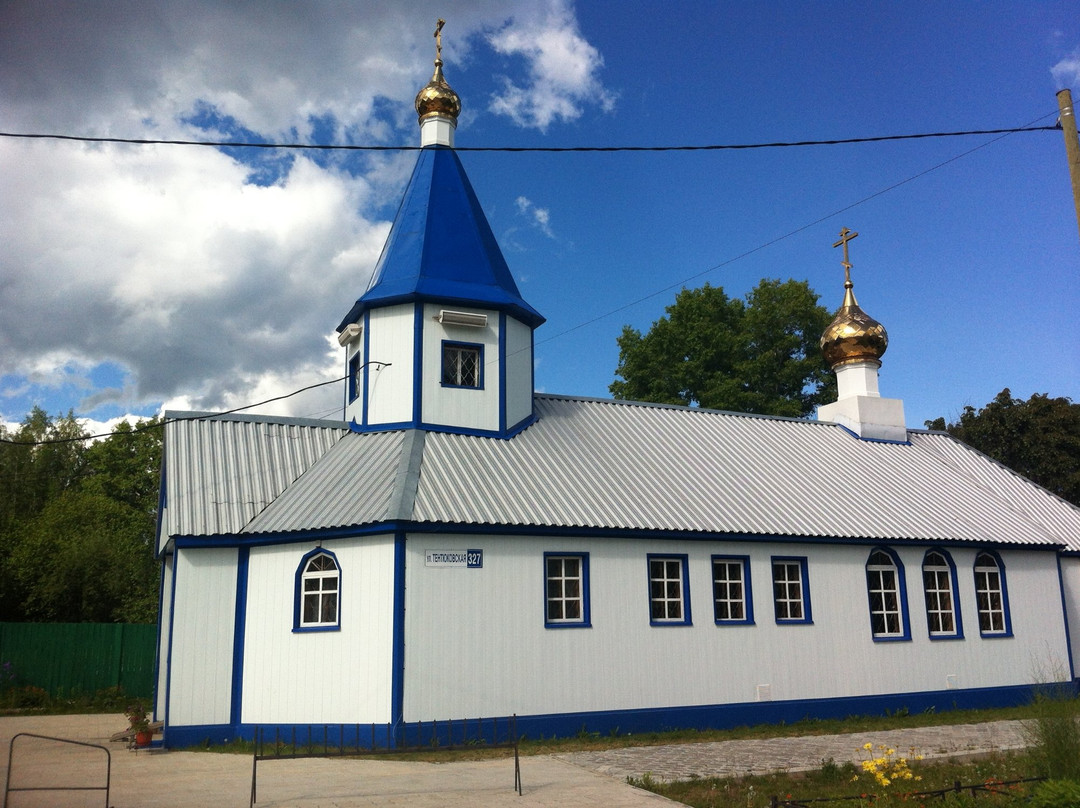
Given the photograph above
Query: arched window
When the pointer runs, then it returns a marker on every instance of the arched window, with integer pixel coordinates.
(939, 587)
(318, 595)
(991, 596)
(888, 600)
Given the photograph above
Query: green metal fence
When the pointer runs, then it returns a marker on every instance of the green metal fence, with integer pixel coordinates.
(79, 658)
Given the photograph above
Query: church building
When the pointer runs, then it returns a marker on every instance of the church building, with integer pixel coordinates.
(458, 546)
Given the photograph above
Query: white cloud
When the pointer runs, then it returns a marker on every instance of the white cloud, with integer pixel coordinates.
(201, 287)
(540, 217)
(562, 68)
(1067, 72)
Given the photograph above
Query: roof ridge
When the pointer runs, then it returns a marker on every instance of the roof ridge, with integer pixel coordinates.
(677, 407)
(288, 420)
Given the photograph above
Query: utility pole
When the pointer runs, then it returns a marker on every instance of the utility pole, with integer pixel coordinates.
(1067, 122)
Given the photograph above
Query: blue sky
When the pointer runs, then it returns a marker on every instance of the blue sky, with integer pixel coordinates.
(137, 278)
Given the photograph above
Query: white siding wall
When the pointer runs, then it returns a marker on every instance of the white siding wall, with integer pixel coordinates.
(519, 378)
(455, 406)
(327, 676)
(390, 389)
(202, 637)
(476, 642)
(165, 610)
(1070, 576)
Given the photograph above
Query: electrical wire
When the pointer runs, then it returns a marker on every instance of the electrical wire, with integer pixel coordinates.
(200, 416)
(238, 144)
(1001, 134)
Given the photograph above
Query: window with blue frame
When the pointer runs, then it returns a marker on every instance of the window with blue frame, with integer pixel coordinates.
(791, 590)
(939, 588)
(991, 596)
(732, 603)
(354, 377)
(566, 587)
(669, 591)
(462, 364)
(886, 590)
(318, 592)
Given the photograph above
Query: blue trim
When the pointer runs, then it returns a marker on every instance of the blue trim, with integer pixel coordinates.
(397, 426)
(502, 372)
(353, 367)
(684, 567)
(804, 581)
(418, 363)
(172, 634)
(547, 531)
(397, 673)
(366, 336)
(298, 592)
(958, 619)
(623, 722)
(1065, 617)
(1007, 615)
(239, 629)
(586, 610)
(901, 585)
(748, 593)
(453, 343)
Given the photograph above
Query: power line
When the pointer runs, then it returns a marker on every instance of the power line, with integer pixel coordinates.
(1001, 134)
(239, 144)
(164, 421)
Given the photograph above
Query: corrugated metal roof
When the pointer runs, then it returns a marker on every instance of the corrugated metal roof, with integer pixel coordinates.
(220, 473)
(603, 464)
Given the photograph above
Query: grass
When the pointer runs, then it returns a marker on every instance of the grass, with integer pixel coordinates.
(834, 780)
(585, 741)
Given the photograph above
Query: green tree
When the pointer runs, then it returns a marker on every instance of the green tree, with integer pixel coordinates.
(1039, 438)
(77, 522)
(757, 355)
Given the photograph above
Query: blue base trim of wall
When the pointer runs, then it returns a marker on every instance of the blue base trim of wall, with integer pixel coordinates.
(622, 722)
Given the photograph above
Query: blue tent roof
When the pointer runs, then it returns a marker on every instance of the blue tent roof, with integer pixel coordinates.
(441, 247)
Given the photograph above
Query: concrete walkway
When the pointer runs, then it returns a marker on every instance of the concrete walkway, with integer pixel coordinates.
(191, 779)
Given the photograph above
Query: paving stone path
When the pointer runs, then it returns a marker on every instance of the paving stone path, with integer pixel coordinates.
(728, 758)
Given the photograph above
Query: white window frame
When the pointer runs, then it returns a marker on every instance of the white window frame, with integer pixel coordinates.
(317, 583)
(939, 591)
(732, 594)
(669, 590)
(566, 591)
(791, 590)
(991, 596)
(886, 591)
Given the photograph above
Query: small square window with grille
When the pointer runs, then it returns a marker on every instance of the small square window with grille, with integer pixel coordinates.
(566, 579)
(669, 600)
(461, 364)
(791, 596)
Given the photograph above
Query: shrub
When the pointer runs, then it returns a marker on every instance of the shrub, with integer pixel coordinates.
(1053, 735)
(1056, 794)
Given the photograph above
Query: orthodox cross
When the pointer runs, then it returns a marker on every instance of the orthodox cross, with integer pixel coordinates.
(438, 38)
(846, 236)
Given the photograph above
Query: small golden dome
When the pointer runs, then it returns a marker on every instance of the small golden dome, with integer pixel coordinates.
(853, 335)
(437, 97)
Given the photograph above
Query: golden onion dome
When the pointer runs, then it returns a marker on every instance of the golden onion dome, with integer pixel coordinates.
(853, 335)
(437, 97)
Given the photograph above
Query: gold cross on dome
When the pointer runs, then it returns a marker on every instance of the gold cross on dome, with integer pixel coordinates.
(846, 236)
(438, 38)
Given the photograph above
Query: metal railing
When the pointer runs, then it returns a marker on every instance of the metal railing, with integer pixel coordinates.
(11, 757)
(431, 736)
